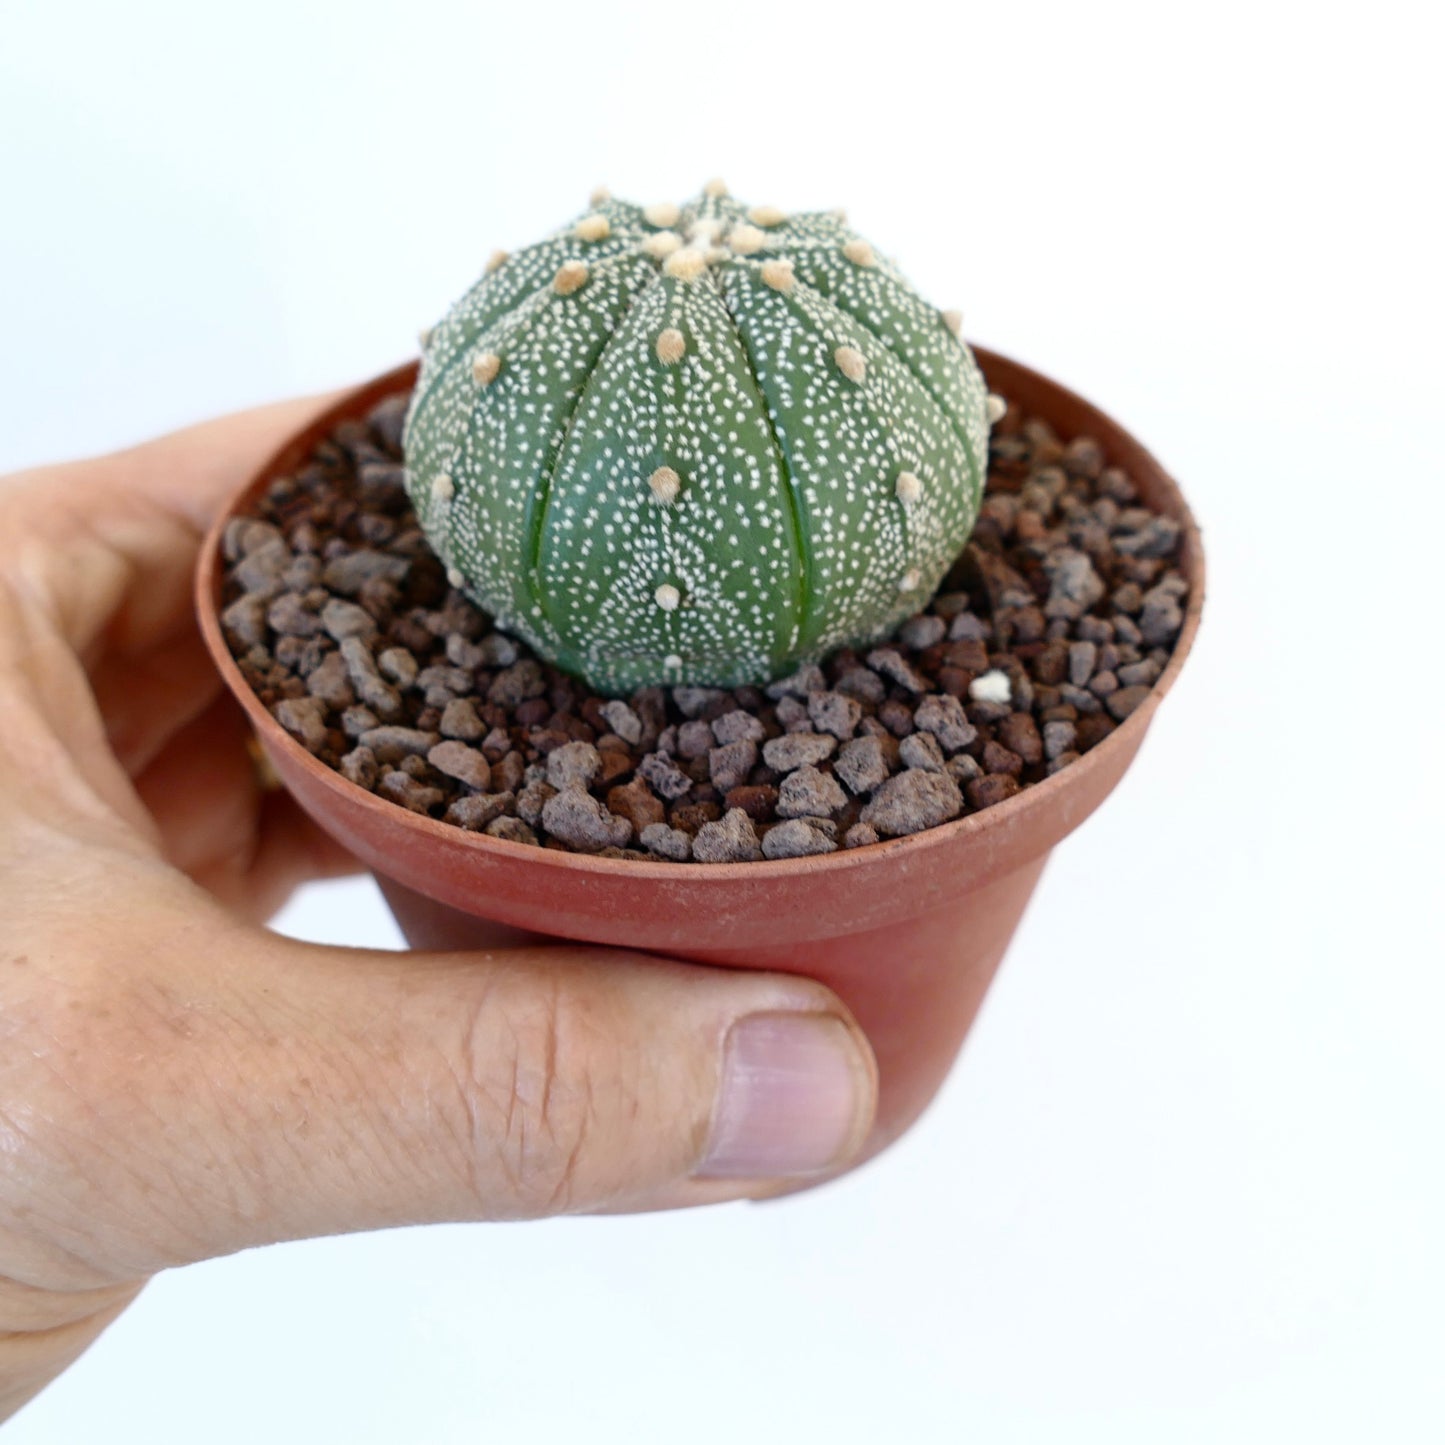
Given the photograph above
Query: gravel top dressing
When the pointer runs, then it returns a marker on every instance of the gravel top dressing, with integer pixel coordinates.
(1050, 630)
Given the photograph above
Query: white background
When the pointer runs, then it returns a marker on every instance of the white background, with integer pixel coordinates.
(1186, 1183)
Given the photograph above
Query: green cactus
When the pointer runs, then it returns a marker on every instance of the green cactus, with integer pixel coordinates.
(696, 444)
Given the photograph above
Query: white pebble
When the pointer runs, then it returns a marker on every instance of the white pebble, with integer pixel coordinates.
(991, 686)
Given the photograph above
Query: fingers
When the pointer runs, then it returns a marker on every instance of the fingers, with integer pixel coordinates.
(329, 1090)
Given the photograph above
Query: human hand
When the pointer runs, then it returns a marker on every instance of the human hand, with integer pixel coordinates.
(177, 1083)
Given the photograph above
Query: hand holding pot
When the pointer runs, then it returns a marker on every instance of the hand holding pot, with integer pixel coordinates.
(177, 1083)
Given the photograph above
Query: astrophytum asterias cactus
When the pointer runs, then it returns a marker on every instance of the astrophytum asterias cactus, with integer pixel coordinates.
(696, 444)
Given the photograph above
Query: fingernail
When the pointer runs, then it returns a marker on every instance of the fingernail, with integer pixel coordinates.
(795, 1098)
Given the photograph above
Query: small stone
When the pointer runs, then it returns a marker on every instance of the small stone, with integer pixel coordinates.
(797, 750)
(864, 684)
(516, 684)
(664, 842)
(345, 619)
(860, 835)
(1079, 698)
(697, 702)
(962, 768)
(511, 830)
(862, 764)
(691, 816)
(793, 715)
(889, 662)
(897, 717)
(1059, 738)
(1074, 584)
(809, 793)
(1102, 684)
(942, 715)
(1020, 734)
(912, 801)
(1161, 618)
(475, 810)
(402, 788)
(1083, 656)
(807, 679)
(305, 719)
(349, 574)
(290, 616)
(759, 801)
(731, 839)
(330, 681)
(359, 767)
(245, 621)
(796, 838)
(993, 788)
(244, 535)
(999, 759)
(923, 631)
(533, 798)
(580, 821)
(729, 765)
(1143, 673)
(835, 713)
(358, 720)
(261, 571)
(666, 778)
(460, 720)
(573, 764)
(1156, 538)
(921, 750)
(1122, 703)
(694, 739)
(636, 802)
(391, 743)
(465, 764)
(736, 726)
(622, 720)
(967, 627)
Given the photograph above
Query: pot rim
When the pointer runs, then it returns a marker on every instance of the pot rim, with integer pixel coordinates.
(423, 829)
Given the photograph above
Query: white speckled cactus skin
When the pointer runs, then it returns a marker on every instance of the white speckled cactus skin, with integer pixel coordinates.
(696, 444)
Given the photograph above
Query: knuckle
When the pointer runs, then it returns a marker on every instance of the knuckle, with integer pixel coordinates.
(540, 1058)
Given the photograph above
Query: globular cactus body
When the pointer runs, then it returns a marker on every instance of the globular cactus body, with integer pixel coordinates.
(696, 443)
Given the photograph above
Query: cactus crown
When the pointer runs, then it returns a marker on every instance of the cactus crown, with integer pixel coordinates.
(696, 444)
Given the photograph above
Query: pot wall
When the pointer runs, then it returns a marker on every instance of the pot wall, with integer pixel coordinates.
(908, 932)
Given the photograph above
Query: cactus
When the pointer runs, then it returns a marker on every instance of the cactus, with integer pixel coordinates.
(696, 444)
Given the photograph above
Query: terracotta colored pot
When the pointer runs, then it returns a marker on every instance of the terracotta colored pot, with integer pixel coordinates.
(908, 932)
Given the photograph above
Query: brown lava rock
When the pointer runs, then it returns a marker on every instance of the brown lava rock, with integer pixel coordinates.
(1050, 631)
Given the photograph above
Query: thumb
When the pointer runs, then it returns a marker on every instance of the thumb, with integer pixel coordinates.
(349, 1090)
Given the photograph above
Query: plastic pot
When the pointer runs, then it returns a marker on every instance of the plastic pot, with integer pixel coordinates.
(908, 932)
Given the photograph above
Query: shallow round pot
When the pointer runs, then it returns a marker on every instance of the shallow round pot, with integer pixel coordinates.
(908, 932)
